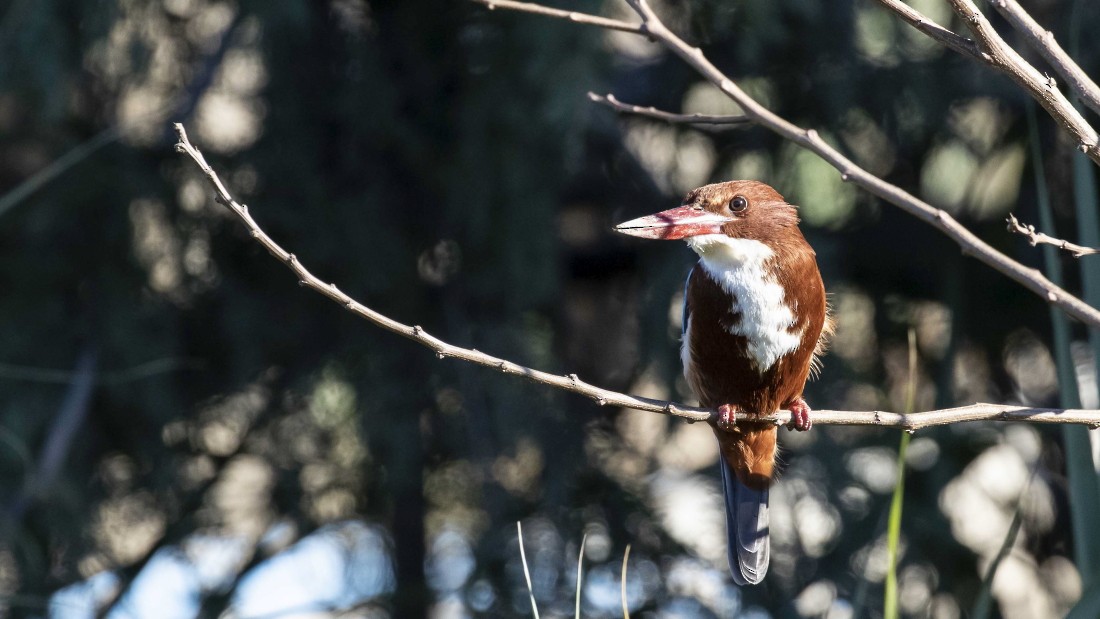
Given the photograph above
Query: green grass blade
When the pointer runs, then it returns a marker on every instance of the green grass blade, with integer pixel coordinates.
(893, 535)
(890, 602)
(1084, 491)
(1082, 469)
(1083, 480)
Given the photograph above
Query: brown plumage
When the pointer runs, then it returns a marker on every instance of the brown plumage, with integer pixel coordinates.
(755, 317)
(724, 372)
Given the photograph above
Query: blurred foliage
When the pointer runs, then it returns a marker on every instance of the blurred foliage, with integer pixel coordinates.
(176, 410)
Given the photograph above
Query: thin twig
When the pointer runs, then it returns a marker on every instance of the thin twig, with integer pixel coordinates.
(526, 572)
(626, 559)
(1038, 238)
(148, 369)
(606, 397)
(580, 569)
(443, 350)
(62, 434)
(1042, 41)
(573, 16)
(984, 601)
(57, 167)
(652, 112)
(1030, 278)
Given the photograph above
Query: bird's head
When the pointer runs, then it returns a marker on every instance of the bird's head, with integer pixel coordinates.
(738, 209)
(715, 220)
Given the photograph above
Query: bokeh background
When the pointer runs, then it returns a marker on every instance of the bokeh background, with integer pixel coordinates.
(185, 432)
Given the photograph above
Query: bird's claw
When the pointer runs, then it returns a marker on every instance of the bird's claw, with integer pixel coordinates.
(727, 418)
(800, 416)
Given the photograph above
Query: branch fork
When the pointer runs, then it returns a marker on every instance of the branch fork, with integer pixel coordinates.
(990, 49)
(1036, 238)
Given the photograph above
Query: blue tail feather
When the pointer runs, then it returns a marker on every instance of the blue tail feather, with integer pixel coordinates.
(746, 528)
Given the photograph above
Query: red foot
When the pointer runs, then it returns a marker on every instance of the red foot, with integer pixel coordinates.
(800, 416)
(727, 418)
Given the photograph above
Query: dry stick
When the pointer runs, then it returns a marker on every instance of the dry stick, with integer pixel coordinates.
(1030, 278)
(652, 112)
(1042, 41)
(580, 569)
(918, 20)
(994, 51)
(626, 559)
(526, 572)
(573, 16)
(1038, 238)
(442, 349)
(604, 397)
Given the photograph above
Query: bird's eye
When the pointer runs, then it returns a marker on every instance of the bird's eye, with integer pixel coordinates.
(738, 204)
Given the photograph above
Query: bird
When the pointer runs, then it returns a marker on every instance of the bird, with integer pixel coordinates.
(755, 322)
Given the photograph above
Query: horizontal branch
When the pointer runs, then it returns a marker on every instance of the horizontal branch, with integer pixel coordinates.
(1038, 238)
(606, 397)
(1028, 277)
(975, 412)
(652, 112)
(1043, 41)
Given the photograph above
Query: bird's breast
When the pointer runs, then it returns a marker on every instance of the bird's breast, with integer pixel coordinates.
(758, 312)
(745, 339)
(748, 301)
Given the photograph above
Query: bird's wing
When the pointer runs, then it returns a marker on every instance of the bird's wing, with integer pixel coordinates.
(747, 525)
(686, 312)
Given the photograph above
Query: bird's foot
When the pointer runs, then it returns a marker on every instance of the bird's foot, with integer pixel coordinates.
(727, 418)
(800, 416)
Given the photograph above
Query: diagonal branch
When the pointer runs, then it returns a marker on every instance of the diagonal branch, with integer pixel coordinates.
(652, 112)
(416, 333)
(1043, 41)
(1039, 238)
(606, 397)
(922, 22)
(1030, 278)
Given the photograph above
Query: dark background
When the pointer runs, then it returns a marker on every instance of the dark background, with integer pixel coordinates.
(169, 395)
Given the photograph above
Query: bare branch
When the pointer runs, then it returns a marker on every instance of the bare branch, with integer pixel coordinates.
(652, 112)
(1030, 278)
(443, 350)
(920, 21)
(998, 54)
(1039, 238)
(606, 397)
(573, 16)
(1043, 41)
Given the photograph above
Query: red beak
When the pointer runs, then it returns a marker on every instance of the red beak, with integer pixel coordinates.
(675, 223)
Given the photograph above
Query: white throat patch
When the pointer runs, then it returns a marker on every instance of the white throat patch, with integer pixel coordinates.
(737, 265)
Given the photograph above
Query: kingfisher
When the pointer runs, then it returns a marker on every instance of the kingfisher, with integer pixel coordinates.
(755, 322)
